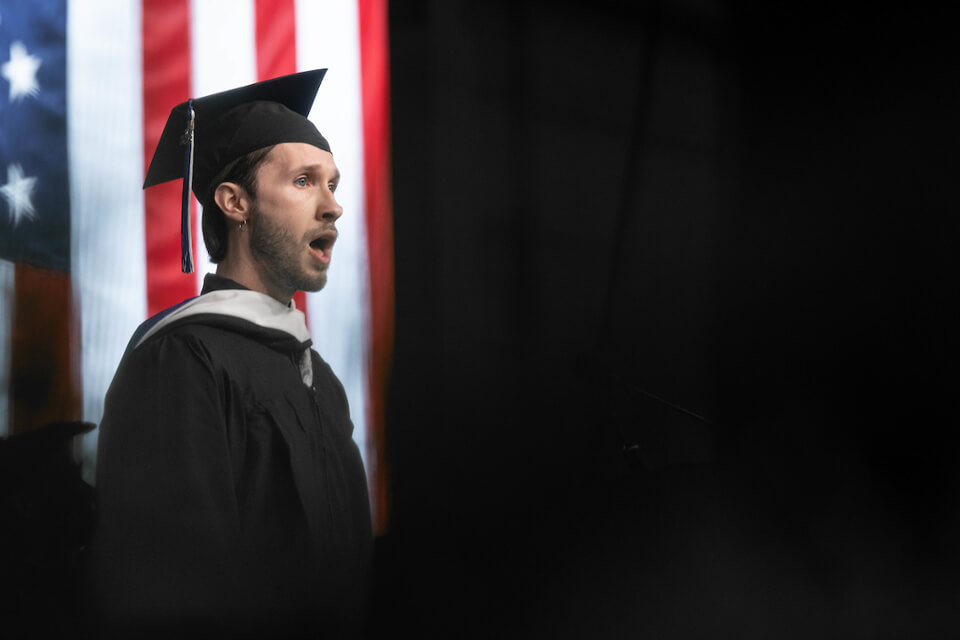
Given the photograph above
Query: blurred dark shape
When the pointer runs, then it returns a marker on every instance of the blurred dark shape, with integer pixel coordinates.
(653, 432)
(47, 514)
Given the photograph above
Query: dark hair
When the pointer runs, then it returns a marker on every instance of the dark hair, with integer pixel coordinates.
(242, 171)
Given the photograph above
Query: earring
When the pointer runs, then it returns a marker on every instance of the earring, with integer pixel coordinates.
(243, 223)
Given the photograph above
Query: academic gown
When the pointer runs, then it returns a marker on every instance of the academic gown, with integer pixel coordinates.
(231, 495)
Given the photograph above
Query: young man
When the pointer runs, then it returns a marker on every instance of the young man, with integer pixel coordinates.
(231, 496)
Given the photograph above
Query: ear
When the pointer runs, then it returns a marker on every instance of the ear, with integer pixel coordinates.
(233, 201)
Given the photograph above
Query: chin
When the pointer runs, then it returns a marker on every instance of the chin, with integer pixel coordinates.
(315, 285)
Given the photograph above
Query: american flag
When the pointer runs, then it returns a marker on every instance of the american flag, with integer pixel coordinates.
(86, 255)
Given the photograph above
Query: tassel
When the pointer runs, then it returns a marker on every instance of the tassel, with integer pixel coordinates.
(186, 235)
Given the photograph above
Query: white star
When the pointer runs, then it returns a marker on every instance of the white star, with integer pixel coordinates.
(18, 192)
(21, 72)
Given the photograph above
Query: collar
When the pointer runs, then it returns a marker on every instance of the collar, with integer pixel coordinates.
(225, 298)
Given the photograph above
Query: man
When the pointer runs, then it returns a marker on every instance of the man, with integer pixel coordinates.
(231, 496)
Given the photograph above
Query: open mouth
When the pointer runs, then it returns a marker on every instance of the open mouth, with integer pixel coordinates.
(321, 244)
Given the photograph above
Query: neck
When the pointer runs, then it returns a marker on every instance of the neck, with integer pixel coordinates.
(244, 271)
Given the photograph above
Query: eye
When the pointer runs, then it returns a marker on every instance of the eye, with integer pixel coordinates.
(332, 186)
(301, 181)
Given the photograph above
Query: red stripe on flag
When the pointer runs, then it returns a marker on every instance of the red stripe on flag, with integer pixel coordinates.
(166, 82)
(44, 362)
(375, 87)
(276, 35)
(276, 41)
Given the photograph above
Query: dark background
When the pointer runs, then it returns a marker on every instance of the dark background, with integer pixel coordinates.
(674, 348)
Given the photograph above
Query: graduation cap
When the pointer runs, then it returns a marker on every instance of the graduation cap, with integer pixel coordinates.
(204, 135)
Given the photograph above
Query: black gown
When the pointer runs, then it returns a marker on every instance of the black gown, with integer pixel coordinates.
(231, 497)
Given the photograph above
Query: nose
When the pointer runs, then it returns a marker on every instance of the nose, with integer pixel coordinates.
(330, 210)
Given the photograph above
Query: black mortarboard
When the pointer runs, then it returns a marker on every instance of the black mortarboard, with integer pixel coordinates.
(203, 135)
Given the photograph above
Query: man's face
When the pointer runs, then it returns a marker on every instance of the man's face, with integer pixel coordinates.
(292, 222)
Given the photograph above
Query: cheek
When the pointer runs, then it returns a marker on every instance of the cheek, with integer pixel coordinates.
(268, 201)
(281, 206)
(285, 202)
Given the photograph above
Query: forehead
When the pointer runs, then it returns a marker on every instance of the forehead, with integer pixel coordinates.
(298, 155)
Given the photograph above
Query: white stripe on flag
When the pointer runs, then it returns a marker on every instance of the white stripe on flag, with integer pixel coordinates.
(105, 120)
(224, 57)
(328, 36)
(6, 337)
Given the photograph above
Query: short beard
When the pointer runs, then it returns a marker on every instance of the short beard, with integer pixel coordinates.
(275, 250)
